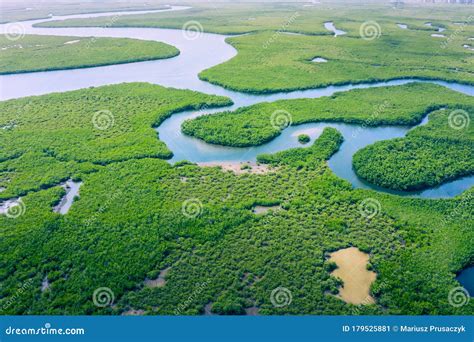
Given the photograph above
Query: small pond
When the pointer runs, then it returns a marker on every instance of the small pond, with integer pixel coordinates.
(466, 279)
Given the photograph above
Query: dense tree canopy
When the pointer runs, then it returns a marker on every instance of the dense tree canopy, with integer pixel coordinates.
(138, 215)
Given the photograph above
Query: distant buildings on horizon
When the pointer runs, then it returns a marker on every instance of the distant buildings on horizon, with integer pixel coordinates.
(436, 1)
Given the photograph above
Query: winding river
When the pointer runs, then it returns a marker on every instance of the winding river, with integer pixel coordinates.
(182, 72)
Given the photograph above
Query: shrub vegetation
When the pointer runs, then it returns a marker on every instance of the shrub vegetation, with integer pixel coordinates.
(43, 53)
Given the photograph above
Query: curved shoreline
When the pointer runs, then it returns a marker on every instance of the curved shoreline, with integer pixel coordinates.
(336, 84)
(138, 60)
(158, 8)
(185, 74)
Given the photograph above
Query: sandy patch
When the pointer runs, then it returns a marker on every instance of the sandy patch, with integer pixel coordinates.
(9, 126)
(160, 281)
(133, 312)
(72, 190)
(352, 270)
(17, 46)
(252, 311)
(236, 167)
(5, 206)
(208, 309)
(260, 209)
(72, 42)
(45, 284)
